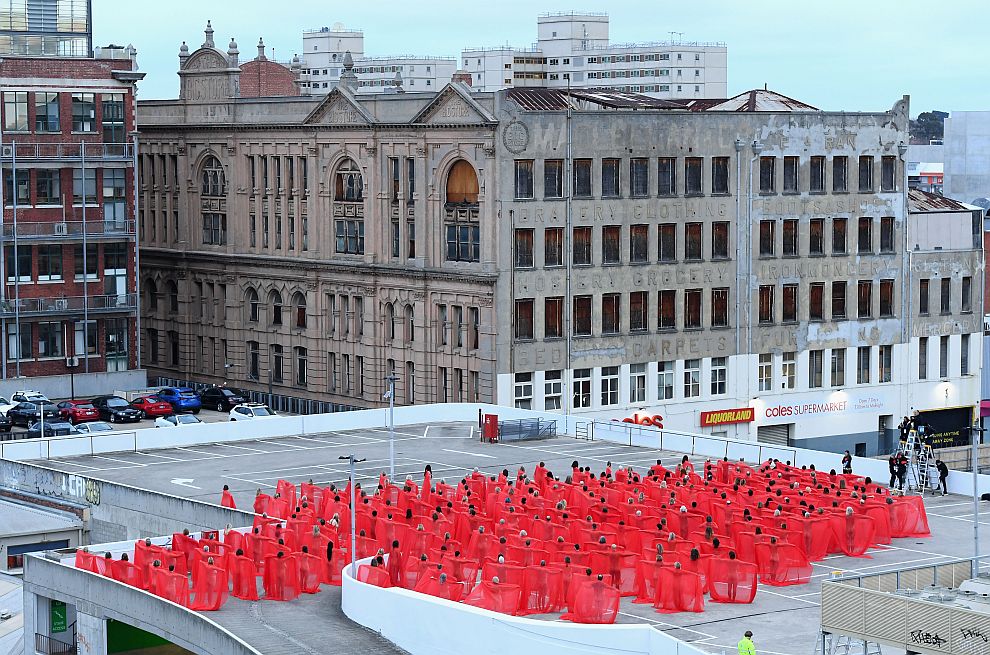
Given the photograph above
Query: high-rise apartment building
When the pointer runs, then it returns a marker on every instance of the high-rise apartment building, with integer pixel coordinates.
(573, 51)
(68, 302)
(53, 28)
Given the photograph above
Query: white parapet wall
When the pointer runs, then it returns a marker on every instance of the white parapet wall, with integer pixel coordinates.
(424, 625)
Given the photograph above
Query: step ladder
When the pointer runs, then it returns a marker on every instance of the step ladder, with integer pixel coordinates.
(920, 458)
(829, 644)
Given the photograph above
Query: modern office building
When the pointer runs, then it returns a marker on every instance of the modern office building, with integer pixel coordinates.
(69, 304)
(51, 28)
(573, 50)
(745, 267)
(323, 62)
(967, 157)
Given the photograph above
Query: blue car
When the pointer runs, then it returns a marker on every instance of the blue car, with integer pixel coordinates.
(182, 399)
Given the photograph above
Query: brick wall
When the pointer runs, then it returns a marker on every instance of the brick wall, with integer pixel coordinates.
(264, 78)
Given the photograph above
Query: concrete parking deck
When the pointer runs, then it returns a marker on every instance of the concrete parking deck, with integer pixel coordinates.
(785, 620)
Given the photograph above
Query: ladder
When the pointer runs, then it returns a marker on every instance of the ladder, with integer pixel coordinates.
(829, 644)
(920, 456)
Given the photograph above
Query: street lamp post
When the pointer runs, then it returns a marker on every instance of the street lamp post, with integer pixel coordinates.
(350, 458)
(390, 394)
(976, 429)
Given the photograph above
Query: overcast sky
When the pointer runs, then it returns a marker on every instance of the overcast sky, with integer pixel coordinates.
(855, 55)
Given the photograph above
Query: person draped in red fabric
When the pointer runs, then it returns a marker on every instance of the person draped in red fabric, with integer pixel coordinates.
(227, 498)
(243, 573)
(281, 577)
(210, 588)
(311, 571)
(679, 590)
(124, 571)
(427, 487)
(171, 585)
(374, 574)
(394, 565)
(495, 596)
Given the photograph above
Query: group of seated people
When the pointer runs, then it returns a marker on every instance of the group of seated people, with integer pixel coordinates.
(527, 545)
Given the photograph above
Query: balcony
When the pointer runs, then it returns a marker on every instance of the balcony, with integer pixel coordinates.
(98, 230)
(97, 304)
(66, 152)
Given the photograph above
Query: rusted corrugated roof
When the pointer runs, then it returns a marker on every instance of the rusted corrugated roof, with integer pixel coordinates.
(762, 100)
(544, 99)
(922, 201)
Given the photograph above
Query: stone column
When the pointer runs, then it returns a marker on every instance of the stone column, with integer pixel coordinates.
(30, 611)
(91, 634)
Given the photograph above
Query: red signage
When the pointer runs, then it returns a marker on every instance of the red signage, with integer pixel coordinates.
(655, 420)
(726, 416)
(490, 429)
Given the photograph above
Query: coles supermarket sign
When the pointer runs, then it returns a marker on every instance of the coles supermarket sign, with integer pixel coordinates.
(866, 404)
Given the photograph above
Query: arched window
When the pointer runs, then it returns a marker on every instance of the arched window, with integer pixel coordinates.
(348, 209)
(275, 300)
(410, 324)
(299, 303)
(214, 203)
(254, 307)
(389, 321)
(462, 231)
(151, 289)
(172, 289)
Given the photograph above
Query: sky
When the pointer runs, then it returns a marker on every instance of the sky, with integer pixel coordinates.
(852, 55)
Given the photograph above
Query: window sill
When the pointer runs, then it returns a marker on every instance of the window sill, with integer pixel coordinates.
(766, 323)
(840, 192)
(553, 339)
(666, 195)
(524, 340)
(790, 193)
(553, 198)
(581, 336)
(667, 261)
(611, 264)
(966, 311)
(639, 196)
(721, 194)
(716, 328)
(866, 191)
(694, 195)
(693, 260)
(524, 268)
(790, 256)
(611, 334)
(576, 265)
(888, 252)
(524, 199)
(553, 267)
(816, 254)
(840, 254)
(817, 192)
(766, 256)
(587, 197)
(767, 193)
(604, 197)
(638, 331)
(694, 328)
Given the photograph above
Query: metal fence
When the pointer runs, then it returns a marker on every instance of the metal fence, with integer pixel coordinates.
(278, 402)
(526, 429)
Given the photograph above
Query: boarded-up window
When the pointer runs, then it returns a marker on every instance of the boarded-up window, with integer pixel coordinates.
(720, 307)
(817, 174)
(582, 178)
(611, 239)
(610, 313)
(553, 178)
(766, 303)
(790, 174)
(666, 177)
(524, 319)
(838, 300)
(639, 243)
(668, 242)
(582, 246)
(816, 236)
(790, 303)
(582, 316)
(667, 312)
(865, 298)
(720, 240)
(553, 246)
(816, 301)
(554, 318)
(720, 175)
(692, 308)
(692, 175)
(637, 311)
(692, 242)
(886, 298)
(790, 234)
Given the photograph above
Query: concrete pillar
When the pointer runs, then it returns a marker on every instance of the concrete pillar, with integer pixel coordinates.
(30, 611)
(91, 634)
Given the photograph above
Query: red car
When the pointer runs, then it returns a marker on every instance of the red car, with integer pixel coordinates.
(152, 407)
(78, 411)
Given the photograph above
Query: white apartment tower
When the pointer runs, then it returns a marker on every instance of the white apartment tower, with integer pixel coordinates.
(573, 49)
(323, 56)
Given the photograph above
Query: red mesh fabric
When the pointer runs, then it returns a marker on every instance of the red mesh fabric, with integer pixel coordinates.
(731, 581)
(227, 500)
(782, 564)
(281, 578)
(542, 591)
(176, 559)
(495, 596)
(185, 544)
(171, 586)
(432, 585)
(394, 567)
(234, 540)
(145, 554)
(908, 517)
(374, 575)
(244, 578)
(647, 573)
(679, 590)
(881, 523)
(128, 574)
(620, 566)
(311, 573)
(595, 601)
(261, 503)
(86, 561)
(853, 533)
(210, 589)
(813, 535)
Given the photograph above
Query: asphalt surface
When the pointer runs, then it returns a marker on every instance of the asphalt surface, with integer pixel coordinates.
(785, 620)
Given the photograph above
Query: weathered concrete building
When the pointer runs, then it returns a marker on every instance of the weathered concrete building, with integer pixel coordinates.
(744, 267)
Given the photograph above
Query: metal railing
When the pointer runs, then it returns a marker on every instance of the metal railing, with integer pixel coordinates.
(66, 151)
(68, 305)
(51, 646)
(525, 429)
(68, 229)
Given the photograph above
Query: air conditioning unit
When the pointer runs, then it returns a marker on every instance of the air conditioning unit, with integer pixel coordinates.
(61, 229)
(72, 362)
(61, 303)
(7, 151)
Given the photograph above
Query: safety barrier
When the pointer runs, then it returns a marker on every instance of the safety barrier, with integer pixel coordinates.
(425, 625)
(278, 402)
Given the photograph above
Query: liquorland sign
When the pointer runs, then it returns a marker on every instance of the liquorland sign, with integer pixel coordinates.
(727, 416)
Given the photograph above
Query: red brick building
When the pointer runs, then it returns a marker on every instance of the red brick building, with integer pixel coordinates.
(69, 298)
(263, 78)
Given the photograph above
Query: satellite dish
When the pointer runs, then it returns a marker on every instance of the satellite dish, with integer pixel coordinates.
(337, 27)
(982, 203)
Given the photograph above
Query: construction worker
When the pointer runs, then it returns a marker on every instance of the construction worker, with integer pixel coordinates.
(746, 645)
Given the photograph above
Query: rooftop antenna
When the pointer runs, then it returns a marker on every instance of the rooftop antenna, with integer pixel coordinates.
(672, 33)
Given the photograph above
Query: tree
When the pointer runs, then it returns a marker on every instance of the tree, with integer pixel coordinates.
(929, 125)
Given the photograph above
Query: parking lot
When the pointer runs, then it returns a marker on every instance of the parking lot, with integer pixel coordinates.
(785, 619)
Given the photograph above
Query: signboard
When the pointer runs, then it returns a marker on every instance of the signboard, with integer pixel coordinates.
(58, 621)
(727, 416)
(947, 427)
(489, 431)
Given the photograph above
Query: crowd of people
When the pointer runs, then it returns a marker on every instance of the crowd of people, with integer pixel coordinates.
(522, 543)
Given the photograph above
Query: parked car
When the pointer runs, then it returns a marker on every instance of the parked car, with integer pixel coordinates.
(94, 427)
(223, 399)
(116, 410)
(52, 429)
(78, 411)
(249, 411)
(176, 420)
(27, 395)
(151, 406)
(6, 405)
(4, 423)
(182, 399)
(25, 413)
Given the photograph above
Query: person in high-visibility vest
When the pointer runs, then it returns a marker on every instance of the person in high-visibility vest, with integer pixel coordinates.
(746, 645)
